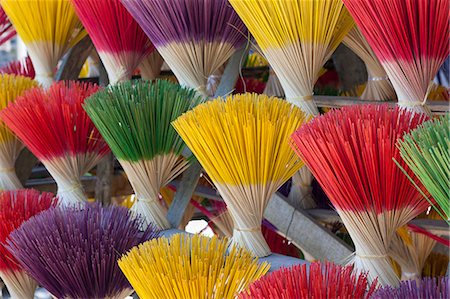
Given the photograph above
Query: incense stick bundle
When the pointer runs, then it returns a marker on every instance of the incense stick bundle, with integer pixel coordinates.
(15, 208)
(134, 119)
(54, 126)
(11, 87)
(410, 38)
(350, 153)
(426, 151)
(325, 281)
(6, 28)
(150, 66)
(195, 37)
(428, 288)
(241, 143)
(23, 67)
(190, 267)
(120, 42)
(49, 28)
(297, 38)
(273, 87)
(73, 252)
(411, 249)
(378, 87)
(405, 252)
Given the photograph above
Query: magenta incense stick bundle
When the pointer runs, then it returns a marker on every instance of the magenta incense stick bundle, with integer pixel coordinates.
(73, 252)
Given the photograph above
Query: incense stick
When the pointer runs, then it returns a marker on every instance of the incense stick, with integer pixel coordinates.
(241, 142)
(49, 28)
(73, 252)
(11, 87)
(190, 267)
(195, 37)
(17, 207)
(350, 153)
(134, 118)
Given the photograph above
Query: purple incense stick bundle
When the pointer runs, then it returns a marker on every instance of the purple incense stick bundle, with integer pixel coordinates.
(427, 288)
(73, 252)
(195, 37)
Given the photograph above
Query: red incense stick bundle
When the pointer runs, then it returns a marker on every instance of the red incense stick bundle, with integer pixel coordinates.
(15, 208)
(55, 127)
(120, 42)
(22, 67)
(328, 281)
(6, 28)
(350, 152)
(411, 40)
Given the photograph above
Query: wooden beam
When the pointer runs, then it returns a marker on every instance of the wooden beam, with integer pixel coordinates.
(302, 230)
(190, 177)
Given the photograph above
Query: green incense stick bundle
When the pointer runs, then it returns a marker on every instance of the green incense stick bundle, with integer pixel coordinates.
(426, 150)
(134, 119)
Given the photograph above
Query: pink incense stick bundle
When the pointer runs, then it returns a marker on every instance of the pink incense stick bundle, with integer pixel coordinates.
(411, 40)
(350, 151)
(120, 42)
(57, 130)
(6, 28)
(22, 67)
(15, 208)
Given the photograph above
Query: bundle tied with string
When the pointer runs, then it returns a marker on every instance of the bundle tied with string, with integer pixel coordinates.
(297, 37)
(16, 207)
(49, 28)
(195, 37)
(350, 153)
(242, 143)
(324, 281)
(73, 251)
(190, 267)
(378, 87)
(11, 87)
(54, 126)
(410, 39)
(134, 118)
(426, 151)
(120, 42)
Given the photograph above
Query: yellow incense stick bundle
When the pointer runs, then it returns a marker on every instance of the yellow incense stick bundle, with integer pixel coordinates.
(11, 87)
(297, 37)
(242, 143)
(49, 28)
(190, 267)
